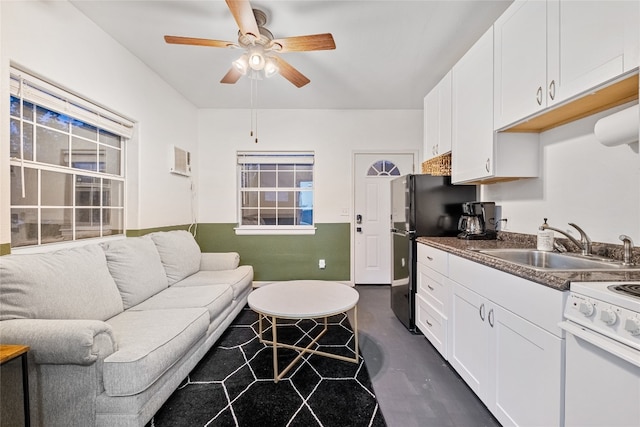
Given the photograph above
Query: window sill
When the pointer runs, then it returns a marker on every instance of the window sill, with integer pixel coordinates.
(67, 244)
(266, 230)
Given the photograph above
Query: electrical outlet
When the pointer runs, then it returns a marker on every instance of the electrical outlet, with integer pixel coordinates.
(322, 264)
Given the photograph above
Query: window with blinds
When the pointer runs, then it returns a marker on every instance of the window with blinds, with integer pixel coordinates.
(275, 191)
(66, 163)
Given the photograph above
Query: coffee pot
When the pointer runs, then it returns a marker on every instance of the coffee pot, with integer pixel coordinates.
(477, 221)
(471, 224)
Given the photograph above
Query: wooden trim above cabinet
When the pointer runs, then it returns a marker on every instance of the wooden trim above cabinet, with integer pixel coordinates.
(615, 93)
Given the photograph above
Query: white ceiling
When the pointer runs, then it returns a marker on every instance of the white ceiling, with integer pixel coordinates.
(388, 54)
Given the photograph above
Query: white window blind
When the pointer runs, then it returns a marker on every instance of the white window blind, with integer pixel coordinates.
(33, 89)
(66, 159)
(291, 157)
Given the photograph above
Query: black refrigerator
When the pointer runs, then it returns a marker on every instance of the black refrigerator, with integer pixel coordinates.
(421, 205)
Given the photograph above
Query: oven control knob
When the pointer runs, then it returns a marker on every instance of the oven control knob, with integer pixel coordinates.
(632, 325)
(586, 308)
(608, 316)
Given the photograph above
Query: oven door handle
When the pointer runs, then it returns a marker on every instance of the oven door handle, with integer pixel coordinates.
(615, 348)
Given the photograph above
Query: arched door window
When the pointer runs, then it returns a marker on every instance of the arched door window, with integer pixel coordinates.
(383, 168)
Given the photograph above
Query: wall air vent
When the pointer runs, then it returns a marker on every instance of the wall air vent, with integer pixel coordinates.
(181, 162)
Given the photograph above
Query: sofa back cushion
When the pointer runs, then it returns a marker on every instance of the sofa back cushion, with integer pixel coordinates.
(135, 265)
(179, 252)
(65, 284)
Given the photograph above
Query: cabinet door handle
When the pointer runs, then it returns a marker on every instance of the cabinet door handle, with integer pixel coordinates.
(481, 311)
(490, 317)
(539, 95)
(430, 287)
(429, 324)
(487, 165)
(552, 90)
(429, 258)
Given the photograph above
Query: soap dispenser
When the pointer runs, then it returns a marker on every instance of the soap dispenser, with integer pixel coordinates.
(545, 238)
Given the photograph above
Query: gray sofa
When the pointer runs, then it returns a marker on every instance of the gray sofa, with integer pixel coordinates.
(114, 327)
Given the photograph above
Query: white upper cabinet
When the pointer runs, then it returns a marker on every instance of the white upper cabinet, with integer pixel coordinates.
(520, 61)
(478, 154)
(596, 41)
(549, 51)
(472, 145)
(437, 119)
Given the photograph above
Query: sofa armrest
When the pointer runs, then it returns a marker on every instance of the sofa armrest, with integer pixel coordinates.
(59, 342)
(213, 261)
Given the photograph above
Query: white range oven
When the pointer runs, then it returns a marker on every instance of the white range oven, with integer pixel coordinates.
(602, 383)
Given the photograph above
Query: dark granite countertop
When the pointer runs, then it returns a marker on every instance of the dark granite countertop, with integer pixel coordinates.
(559, 280)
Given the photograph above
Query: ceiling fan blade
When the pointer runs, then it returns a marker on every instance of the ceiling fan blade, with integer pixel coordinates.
(243, 14)
(288, 72)
(232, 76)
(304, 43)
(197, 42)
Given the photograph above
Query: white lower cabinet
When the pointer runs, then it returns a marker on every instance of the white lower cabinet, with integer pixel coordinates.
(469, 340)
(525, 371)
(432, 324)
(514, 365)
(432, 297)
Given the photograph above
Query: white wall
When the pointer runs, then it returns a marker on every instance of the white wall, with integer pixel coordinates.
(332, 134)
(56, 41)
(582, 181)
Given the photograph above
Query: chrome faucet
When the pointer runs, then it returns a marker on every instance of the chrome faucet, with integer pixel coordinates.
(585, 242)
(628, 247)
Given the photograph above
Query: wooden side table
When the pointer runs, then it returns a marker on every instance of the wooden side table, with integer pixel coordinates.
(7, 354)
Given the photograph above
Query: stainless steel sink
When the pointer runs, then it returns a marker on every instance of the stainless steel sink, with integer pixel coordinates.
(542, 260)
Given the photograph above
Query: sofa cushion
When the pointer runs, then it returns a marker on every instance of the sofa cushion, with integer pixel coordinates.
(136, 268)
(215, 298)
(65, 284)
(219, 260)
(239, 279)
(179, 252)
(150, 343)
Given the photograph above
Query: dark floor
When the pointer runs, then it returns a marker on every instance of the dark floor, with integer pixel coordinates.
(415, 386)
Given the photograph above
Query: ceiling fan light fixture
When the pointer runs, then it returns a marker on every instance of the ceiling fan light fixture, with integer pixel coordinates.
(271, 67)
(256, 58)
(242, 64)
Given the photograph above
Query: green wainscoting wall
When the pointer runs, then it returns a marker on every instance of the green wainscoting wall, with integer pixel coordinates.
(273, 257)
(5, 248)
(284, 257)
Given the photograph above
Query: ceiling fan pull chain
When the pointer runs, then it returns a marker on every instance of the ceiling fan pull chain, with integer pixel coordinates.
(251, 82)
(256, 111)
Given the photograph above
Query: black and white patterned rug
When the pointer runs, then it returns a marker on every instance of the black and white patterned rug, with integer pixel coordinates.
(233, 384)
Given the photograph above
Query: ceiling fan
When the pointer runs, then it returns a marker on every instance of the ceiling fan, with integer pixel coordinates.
(261, 49)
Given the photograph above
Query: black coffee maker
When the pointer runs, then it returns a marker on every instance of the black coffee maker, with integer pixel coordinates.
(478, 221)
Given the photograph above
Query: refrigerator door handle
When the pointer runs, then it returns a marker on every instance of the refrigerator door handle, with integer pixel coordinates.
(410, 234)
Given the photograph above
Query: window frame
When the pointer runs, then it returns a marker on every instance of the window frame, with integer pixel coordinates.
(107, 189)
(298, 158)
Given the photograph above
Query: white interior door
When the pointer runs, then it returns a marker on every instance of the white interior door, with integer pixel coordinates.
(372, 213)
